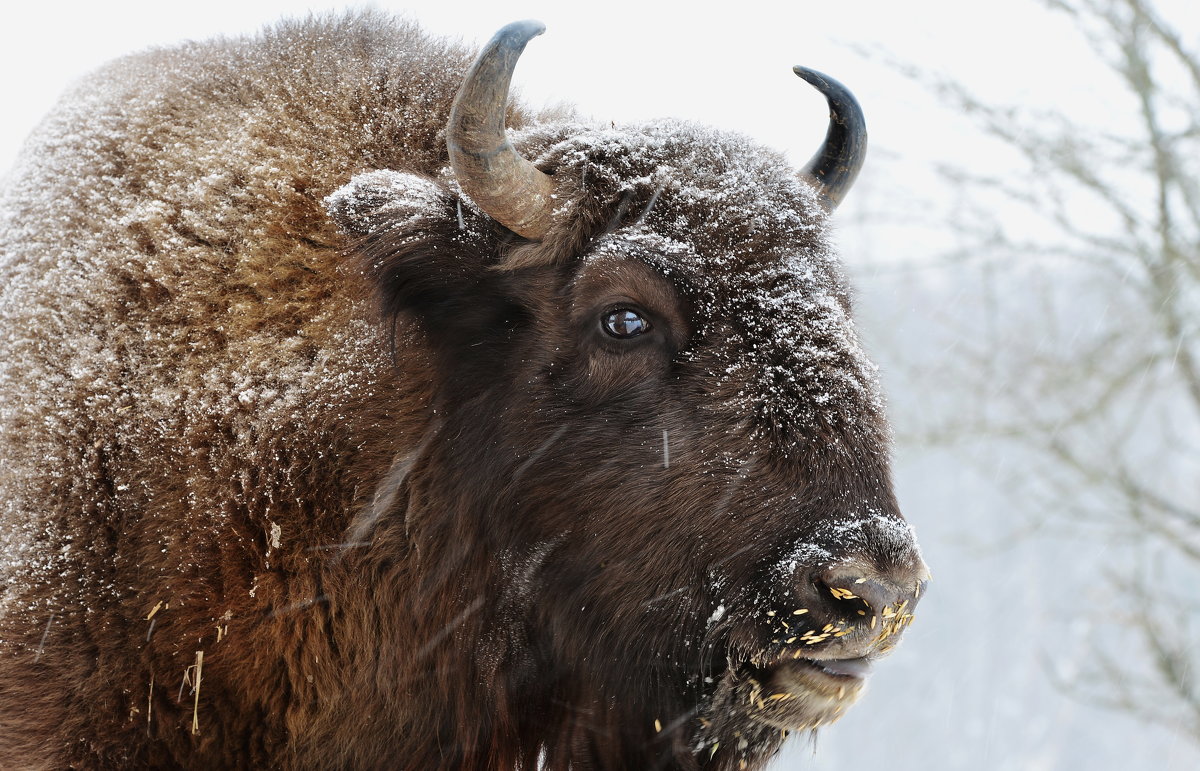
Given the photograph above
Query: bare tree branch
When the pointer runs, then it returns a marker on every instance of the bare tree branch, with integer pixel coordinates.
(1096, 405)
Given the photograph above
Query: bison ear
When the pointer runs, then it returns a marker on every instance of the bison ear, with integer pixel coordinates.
(428, 251)
(385, 200)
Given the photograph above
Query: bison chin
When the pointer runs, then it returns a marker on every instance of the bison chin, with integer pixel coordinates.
(764, 696)
(794, 693)
(756, 706)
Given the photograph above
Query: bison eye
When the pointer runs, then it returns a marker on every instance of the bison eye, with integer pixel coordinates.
(624, 323)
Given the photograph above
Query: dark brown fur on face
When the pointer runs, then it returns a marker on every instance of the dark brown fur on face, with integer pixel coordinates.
(309, 463)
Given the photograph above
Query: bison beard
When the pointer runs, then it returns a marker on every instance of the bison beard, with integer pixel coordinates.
(327, 447)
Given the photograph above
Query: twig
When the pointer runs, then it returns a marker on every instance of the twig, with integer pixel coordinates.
(42, 645)
(196, 703)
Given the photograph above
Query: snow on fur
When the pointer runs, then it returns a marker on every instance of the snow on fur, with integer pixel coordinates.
(275, 392)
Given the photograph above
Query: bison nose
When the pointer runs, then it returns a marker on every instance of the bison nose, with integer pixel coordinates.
(879, 603)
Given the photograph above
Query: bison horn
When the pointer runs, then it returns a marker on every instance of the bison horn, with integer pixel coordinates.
(835, 166)
(510, 189)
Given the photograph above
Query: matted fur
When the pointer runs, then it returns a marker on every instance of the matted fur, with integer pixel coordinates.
(412, 508)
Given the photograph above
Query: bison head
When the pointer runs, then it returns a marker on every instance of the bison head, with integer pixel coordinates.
(652, 422)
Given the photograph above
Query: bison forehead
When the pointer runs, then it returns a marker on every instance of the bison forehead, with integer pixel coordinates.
(776, 335)
(684, 176)
(732, 224)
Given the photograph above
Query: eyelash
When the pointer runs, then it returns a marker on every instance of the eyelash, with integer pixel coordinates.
(615, 322)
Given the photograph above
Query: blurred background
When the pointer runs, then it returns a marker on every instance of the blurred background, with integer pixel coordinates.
(1025, 242)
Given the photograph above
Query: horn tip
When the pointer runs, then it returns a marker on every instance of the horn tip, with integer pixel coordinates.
(818, 80)
(836, 165)
(521, 32)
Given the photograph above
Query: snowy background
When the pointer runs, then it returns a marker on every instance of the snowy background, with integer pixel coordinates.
(995, 673)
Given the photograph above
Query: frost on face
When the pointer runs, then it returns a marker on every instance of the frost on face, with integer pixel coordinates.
(741, 236)
(873, 532)
(803, 554)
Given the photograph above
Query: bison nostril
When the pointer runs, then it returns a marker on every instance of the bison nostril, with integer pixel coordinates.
(875, 595)
(854, 589)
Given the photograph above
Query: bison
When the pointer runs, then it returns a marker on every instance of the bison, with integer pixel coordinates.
(340, 428)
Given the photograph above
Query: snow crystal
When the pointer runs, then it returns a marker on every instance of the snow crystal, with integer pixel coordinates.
(522, 569)
(716, 616)
(804, 553)
(888, 538)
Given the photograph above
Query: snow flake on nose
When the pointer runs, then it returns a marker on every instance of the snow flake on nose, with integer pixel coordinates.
(870, 532)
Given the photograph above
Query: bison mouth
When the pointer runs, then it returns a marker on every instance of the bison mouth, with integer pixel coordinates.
(785, 692)
(794, 693)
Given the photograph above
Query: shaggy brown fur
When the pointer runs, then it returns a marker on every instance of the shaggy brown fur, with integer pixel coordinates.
(266, 505)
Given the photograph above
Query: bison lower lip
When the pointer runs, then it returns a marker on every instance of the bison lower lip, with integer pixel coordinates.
(804, 693)
(853, 668)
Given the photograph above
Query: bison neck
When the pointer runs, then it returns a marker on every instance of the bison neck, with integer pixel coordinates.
(439, 666)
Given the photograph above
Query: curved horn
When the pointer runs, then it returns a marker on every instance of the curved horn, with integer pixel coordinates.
(506, 186)
(835, 166)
